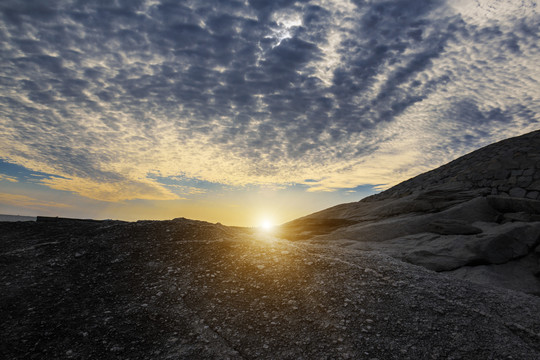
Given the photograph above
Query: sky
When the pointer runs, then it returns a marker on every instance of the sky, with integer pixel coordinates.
(240, 111)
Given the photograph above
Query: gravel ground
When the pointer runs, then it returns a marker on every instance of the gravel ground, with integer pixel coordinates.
(185, 289)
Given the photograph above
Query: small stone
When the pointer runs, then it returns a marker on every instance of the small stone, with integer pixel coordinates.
(501, 174)
(503, 187)
(532, 195)
(535, 185)
(518, 192)
(528, 172)
(517, 172)
(116, 348)
(371, 271)
(524, 181)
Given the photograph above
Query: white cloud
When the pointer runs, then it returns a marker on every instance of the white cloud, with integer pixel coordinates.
(484, 12)
(347, 95)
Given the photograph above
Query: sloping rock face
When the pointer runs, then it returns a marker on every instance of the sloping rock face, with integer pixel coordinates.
(509, 168)
(186, 289)
(476, 218)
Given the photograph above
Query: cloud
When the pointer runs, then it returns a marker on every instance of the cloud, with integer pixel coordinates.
(187, 190)
(4, 177)
(111, 191)
(28, 202)
(264, 92)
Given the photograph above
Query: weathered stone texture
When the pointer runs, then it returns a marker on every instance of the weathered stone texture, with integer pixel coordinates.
(480, 212)
(518, 192)
(510, 166)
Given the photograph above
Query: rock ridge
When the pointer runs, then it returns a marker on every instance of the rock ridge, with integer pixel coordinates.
(476, 218)
(510, 167)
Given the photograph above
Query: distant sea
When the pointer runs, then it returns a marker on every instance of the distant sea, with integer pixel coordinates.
(16, 218)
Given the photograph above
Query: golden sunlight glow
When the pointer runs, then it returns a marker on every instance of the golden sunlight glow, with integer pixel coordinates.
(266, 225)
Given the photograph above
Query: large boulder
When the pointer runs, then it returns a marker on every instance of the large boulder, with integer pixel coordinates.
(506, 204)
(496, 244)
(480, 211)
(455, 220)
(520, 274)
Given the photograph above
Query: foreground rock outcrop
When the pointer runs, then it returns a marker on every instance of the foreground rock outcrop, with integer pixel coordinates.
(185, 289)
(475, 218)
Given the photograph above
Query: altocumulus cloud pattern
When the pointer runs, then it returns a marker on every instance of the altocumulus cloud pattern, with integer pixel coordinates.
(108, 95)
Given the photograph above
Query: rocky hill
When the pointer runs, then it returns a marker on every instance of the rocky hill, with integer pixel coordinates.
(475, 218)
(508, 168)
(183, 289)
(352, 289)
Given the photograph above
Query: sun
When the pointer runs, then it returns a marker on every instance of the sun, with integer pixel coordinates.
(266, 225)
